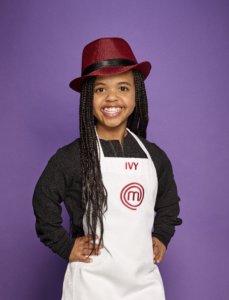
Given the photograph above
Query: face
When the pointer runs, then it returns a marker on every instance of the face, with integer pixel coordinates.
(114, 101)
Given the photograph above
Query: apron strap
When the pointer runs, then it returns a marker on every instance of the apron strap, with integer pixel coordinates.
(100, 150)
(140, 143)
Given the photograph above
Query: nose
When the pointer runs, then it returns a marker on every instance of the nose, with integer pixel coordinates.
(111, 95)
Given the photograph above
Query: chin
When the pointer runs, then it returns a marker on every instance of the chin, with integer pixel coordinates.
(113, 124)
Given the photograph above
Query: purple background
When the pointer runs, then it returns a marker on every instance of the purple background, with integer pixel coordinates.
(188, 45)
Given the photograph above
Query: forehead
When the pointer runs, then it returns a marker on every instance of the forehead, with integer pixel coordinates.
(112, 79)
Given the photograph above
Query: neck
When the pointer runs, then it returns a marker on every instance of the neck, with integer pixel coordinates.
(111, 133)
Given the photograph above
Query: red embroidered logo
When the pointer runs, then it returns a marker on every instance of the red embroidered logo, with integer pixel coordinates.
(132, 195)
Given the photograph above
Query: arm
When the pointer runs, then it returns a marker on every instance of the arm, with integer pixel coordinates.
(167, 203)
(49, 192)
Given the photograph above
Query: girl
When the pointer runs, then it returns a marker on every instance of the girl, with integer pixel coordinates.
(118, 188)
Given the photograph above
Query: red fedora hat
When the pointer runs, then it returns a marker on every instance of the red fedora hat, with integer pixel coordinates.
(108, 56)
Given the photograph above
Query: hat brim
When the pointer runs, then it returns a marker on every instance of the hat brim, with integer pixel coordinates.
(144, 67)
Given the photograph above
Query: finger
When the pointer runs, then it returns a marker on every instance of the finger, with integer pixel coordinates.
(156, 252)
(90, 246)
(89, 252)
(84, 259)
(161, 255)
(159, 252)
(87, 238)
(80, 241)
(79, 257)
(156, 258)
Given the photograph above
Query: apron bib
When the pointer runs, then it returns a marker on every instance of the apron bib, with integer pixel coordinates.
(125, 267)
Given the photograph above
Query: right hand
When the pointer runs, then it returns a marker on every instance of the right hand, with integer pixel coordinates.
(82, 248)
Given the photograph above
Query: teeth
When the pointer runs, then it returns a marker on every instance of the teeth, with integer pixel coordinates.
(112, 109)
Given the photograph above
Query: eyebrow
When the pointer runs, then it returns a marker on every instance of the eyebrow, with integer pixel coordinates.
(119, 83)
(99, 83)
(125, 82)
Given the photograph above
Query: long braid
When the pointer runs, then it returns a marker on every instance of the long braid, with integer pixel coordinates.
(94, 194)
(139, 119)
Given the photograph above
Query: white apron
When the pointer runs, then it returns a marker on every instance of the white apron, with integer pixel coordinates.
(125, 269)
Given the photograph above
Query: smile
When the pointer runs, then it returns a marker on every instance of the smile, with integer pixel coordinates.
(113, 111)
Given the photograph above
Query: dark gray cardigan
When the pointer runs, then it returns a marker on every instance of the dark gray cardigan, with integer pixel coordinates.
(61, 181)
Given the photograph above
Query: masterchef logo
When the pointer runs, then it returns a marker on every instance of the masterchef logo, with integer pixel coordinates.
(132, 195)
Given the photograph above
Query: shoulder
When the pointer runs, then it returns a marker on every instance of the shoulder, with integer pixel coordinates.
(154, 149)
(61, 169)
(68, 151)
(67, 156)
(158, 155)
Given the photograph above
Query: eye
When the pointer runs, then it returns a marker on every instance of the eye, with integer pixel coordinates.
(99, 90)
(124, 88)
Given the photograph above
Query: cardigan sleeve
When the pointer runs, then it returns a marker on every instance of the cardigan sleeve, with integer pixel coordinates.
(167, 202)
(49, 192)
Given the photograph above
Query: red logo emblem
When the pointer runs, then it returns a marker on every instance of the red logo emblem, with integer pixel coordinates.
(132, 195)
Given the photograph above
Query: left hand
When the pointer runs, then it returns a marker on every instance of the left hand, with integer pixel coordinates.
(159, 250)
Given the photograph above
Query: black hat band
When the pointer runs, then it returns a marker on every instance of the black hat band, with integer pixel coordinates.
(108, 63)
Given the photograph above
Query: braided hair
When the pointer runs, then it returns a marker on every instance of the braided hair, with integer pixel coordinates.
(94, 194)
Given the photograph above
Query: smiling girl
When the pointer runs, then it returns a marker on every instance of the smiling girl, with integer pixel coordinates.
(118, 188)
